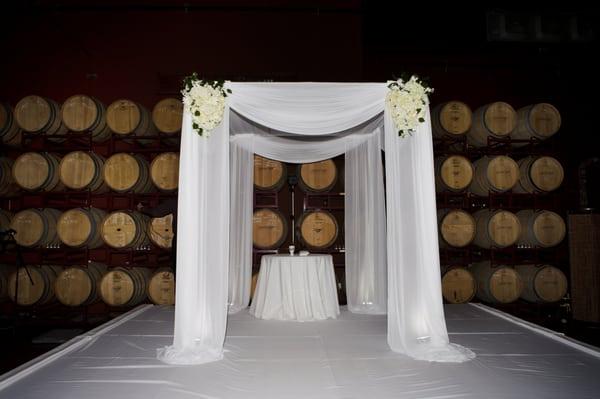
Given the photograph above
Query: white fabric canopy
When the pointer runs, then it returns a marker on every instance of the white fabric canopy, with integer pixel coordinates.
(307, 122)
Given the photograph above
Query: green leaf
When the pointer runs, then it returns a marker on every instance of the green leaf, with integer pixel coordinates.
(421, 120)
(195, 126)
(197, 113)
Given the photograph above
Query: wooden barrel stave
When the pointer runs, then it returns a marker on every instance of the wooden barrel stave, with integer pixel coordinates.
(127, 118)
(78, 285)
(164, 171)
(167, 116)
(540, 228)
(37, 171)
(40, 292)
(35, 114)
(498, 174)
(451, 119)
(269, 175)
(497, 120)
(317, 229)
(81, 113)
(160, 231)
(36, 228)
(501, 284)
(539, 175)
(456, 227)
(317, 176)
(458, 285)
(453, 173)
(542, 283)
(161, 287)
(124, 286)
(10, 132)
(8, 186)
(81, 170)
(496, 228)
(127, 173)
(269, 228)
(539, 121)
(125, 229)
(80, 227)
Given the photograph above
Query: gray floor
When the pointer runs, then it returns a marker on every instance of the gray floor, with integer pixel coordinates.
(343, 358)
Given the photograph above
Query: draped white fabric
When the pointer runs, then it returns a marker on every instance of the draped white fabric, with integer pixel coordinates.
(364, 219)
(306, 122)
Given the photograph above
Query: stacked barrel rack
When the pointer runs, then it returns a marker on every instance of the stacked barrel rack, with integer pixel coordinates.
(501, 218)
(72, 181)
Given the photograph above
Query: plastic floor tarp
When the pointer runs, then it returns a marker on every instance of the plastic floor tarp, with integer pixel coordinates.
(343, 358)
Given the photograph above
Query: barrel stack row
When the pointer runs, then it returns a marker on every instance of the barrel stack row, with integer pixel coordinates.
(504, 284)
(81, 285)
(500, 228)
(81, 170)
(81, 113)
(88, 228)
(497, 120)
(316, 177)
(498, 174)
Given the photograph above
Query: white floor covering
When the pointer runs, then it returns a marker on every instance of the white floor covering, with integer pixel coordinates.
(343, 358)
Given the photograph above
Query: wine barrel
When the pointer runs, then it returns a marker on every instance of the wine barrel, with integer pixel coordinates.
(451, 119)
(161, 287)
(453, 173)
(37, 171)
(160, 231)
(540, 228)
(501, 284)
(80, 170)
(8, 187)
(35, 285)
(317, 176)
(317, 229)
(164, 171)
(80, 227)
(167, 115)
(456, 227)
(498, 174)
(497, 228)
(10, 133)
(268, 174)
(5, 272)
(538, 121)
(128, 118)
(539, 175)
(36, 227)
(124, 286)
(458, 285)
(127, 172)
(35, 114)
(81, 113)
(125, 229)
(269, 228)
(496, 120)
(542, 283)
(78, 285)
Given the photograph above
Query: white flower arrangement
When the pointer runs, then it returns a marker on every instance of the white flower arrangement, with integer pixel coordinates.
(205, 101)
(407, 101)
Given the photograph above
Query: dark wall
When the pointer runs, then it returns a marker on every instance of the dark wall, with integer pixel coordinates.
(140, 50)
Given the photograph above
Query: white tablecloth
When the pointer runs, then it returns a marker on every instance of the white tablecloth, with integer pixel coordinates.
(298, 288)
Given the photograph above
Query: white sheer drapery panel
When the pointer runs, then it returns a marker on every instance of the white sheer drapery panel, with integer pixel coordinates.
(308, 108)
(416, 324)
(364, 219)
(202, 247)
(241, 161)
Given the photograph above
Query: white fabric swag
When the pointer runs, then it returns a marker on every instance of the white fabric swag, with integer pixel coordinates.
(392, 262)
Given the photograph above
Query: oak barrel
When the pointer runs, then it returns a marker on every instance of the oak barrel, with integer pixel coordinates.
(10, 132)
(268, 173)
(500, 284)
(538, 121)
(8, 187)
(317, 229)
(317, 176)
(37, 171)
(160, 231)
(540, 228)
(81, 113)
(458, 285)
(164, 171)
(124, 286)
(453, 173)
(35, 285)
(539, 175)
(128, 118)
(81, 170)
(498, 174)
(167, 115)
(269, 228)
(35, 114)
(125, 229)
(127, 172)
(497, 120)
(456, 227)
(451, 119)
(161, 287)
(36, 227)
(496, 228)
(79, 285)
(542, 283)
(80, 227)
